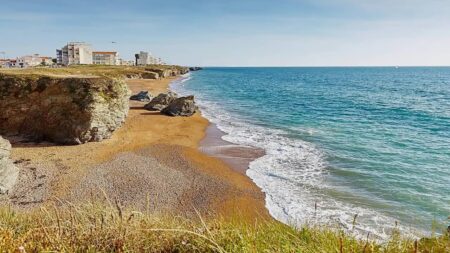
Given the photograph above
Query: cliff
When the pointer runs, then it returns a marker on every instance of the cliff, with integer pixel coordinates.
(62, 109)
(167, 72)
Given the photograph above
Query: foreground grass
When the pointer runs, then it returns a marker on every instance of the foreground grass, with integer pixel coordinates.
(96, 228)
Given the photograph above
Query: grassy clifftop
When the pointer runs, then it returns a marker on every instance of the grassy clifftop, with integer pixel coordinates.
(96, 70)
(99, 228)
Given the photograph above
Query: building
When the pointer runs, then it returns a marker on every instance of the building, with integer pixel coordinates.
(28, 61)
(59, 56)
(31, 61)
(145, 58)
(8, 63)
(105, 58)
(46, 61)
(74, 53)
(124, 62)
(142, 58)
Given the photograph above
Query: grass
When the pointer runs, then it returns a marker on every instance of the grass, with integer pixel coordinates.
(88, 70)
(99, 228)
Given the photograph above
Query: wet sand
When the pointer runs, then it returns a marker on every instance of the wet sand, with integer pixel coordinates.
(237, 157)
(152, 162)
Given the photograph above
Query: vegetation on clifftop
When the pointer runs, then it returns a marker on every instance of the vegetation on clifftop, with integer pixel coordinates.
(99, 228)
(93, 70)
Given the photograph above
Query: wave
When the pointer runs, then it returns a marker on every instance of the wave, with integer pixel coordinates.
(292, 174)
(184, 78)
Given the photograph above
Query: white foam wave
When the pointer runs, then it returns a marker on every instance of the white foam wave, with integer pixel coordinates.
(292, 175)
(184, 78)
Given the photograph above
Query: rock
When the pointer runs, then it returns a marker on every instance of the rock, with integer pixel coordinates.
(150, 75)
(8, 171)
(5, 148)
(66, 110)
(163, 73)
(143, 96)
(161, 101)
(195, 68)
(184, 71)
(167, 72)
(133, 76)
(183, 106)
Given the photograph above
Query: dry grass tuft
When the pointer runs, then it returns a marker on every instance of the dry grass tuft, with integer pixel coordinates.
(99, 228)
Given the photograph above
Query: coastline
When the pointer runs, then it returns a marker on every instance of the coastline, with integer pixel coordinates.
(151, 156)
(158, 167)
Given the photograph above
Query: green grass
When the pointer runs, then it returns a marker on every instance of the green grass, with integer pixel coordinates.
(99, 228)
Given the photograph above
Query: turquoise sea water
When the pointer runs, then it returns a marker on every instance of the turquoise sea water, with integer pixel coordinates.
(340, 142)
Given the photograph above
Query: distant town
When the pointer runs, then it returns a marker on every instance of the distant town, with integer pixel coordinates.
(78, 53)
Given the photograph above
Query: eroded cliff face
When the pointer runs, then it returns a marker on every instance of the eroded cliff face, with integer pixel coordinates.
(164, 73)
(66, 110)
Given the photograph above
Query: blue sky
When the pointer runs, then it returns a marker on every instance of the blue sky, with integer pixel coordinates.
(237, 32)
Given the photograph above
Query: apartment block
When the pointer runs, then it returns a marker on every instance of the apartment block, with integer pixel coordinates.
(75, 53)
(105, 58)
(145, 58)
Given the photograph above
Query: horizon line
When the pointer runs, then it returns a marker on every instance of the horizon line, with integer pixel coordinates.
(324, 66)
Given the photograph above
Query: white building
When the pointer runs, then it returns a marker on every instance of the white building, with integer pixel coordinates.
(124, 62)
(46, 61)
(142, 58)
(74, 53)
(32, 61)
(145, 58)
(105, 58)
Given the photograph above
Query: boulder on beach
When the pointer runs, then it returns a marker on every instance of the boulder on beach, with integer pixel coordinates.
(142, 96)
(8, 171)
(161, 101)
(62, 109)
(183, 106)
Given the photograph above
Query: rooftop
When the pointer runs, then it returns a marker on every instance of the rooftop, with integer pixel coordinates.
(100, 52)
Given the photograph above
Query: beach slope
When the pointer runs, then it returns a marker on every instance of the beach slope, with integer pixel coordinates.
(152, 162)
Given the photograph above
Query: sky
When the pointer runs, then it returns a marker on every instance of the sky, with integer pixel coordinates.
(237, 32)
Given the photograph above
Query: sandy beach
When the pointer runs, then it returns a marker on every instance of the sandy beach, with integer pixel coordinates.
(153, 162)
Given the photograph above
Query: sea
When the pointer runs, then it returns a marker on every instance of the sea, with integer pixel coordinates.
(365, 150)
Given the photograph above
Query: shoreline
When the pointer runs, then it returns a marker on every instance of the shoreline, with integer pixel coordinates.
(290, 205)
(236, 156)
(151, 153)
